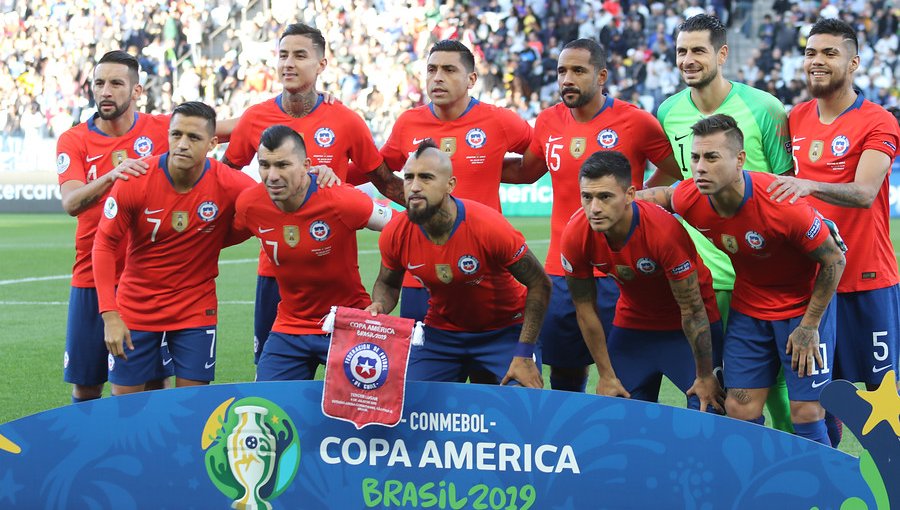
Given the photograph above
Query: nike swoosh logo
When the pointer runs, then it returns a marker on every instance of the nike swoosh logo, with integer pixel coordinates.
(166, 362)
(816, 384)
(263, 231)
(703, 230)
(411, 267)
(94, 158)
(798, 138)
(209, 365)
(682, 137)
(553, 139)
(600, 264)
(417, 141)
(148, 211)
(881, 369)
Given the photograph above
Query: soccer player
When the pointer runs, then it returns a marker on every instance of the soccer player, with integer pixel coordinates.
(474, 264)
(302, 226)
(666, 315)
(178, 217)
(564, 136)
(475, 136)
(335, 133)
(844, 146)
(701, 50)
(787, 267)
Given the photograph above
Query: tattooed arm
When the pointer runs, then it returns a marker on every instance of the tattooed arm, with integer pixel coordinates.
(387, 183)
(695, 324)
(803, 343)
(870, 174)
(529, 272)
(386, 291)
(660, 195)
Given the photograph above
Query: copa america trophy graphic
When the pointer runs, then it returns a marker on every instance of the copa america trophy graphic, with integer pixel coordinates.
(251, 456)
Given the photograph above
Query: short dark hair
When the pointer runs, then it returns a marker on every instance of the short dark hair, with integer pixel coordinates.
(706, 23)
(303, 29)
(837, 27)
(426, 144)
(465, 54)
(597, 51)
(197, 109)
(275, 136)
(720, 123)
(603, 163)
(124, 58)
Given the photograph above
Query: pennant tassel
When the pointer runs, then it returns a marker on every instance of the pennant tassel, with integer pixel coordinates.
(328, 326)
(418, 336)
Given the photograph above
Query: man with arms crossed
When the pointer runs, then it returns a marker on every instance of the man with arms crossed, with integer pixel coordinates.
(474, 264)
(666, 315)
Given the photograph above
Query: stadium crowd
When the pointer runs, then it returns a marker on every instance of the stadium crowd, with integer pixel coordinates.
(223, 53)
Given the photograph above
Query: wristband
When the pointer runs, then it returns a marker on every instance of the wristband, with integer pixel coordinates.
(524, 350)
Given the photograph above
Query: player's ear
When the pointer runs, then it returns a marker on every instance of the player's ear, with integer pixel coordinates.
(451, 184)
(629, 194)
(723, 54)
(602, 76)
(854, 64)
(322, 63)
(473, 77)
(741, 158)
(212, 143)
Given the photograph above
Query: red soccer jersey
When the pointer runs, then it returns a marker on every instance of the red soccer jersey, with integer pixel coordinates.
(173, 256)
(312, 249)
(333, 135)
(767, 243)
(471, 289)
(85, 153)
(830, 153)
(565, 144)
(657, 250)
(476, 142)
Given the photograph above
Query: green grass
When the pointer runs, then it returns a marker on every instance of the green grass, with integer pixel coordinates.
(33, 324)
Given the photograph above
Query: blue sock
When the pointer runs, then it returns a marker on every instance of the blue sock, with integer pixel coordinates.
(759, 421)
(568, 384)
(835, 429)
(815, 431)
(76, 400)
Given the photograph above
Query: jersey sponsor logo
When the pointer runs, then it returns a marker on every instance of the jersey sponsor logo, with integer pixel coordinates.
(577, 147)
(265, 230)
(118, 157)
(324, 137)
(476, 138)
(551, 139)
(608, 138)
(180, 220)
(814, 229)
(875, 369)
(319, 230)
(148, 212)
(291, 235)
(110, 208)
(366, 366)
(448, 145)
(62, 162)
(444, 272)
(143, 146)
(411, 267)
(729, 243)
(646, 265)
(816, 384)
(565, 263)
(417, 141)
(625, 272)
(755, 240)
(840, 145)
(799, 139)
(208, 211)
(815, 150)
(468, 264)
(682, 137)
(90, 159)
(682, 268)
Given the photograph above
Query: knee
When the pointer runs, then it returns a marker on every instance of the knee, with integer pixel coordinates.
(87, 392)
(739, 404)
(569, 378)
(806, 412)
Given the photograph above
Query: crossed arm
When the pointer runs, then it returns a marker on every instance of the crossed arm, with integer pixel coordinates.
(870, 173)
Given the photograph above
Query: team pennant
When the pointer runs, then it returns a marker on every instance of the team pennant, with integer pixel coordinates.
(365, 374)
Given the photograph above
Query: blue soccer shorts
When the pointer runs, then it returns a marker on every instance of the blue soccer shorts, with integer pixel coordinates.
(85, 358)
(868, 335)
(292, 357)
(560, 341)
(264, 312)
(186, 353)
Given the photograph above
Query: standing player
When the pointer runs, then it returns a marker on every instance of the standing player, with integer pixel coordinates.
(701, 51)
(564, 136)
(844, 146)
(178, 217)
(336, 135)
(468, 256)
(787, 268)
(666, 315)
(475, 136)
(302, 226)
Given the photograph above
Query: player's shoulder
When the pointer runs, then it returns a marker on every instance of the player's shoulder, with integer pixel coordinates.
(478, 212)
(552, 114)
(804, 109)
(685, 195)
(672, 102)
(74, 137)
(336, 109)
(653, 214)
(578, 222)
(255, 194)
(873, 111)
(155, 120)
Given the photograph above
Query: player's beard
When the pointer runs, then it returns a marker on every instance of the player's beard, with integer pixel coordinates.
(833, 85)
(584, 97)
(705, 79)
(116, 113)
(421, 216)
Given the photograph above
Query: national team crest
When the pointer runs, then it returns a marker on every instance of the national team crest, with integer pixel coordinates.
(448, 145)
(608, 138)
(646, 265)
(291, 235)
(179, 220)
(577, 147)
(444, 272)
(324, 137)
(208, 211)
(143, 146)
(319, 230)
(840, 145)
(625, 272)
(755, 240)
(366, 366)
(815, 150)
(468, 264)
(118, 157)
(729, 243)
(476, 138)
